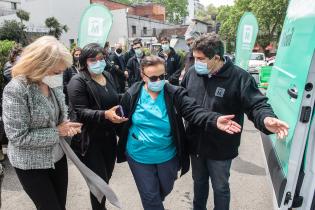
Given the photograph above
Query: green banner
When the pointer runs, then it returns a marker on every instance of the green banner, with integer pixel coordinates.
(245, 40)
(95, 25)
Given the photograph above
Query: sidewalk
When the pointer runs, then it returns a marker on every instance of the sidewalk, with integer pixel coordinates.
(249, 187)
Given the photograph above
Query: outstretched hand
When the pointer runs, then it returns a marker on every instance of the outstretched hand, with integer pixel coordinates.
(276, 126)
(113, 117)
(226, 124)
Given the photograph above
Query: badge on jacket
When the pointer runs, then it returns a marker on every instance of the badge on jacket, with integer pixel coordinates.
(219, 92)
(172, 59)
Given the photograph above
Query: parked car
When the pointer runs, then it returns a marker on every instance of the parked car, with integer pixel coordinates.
(256, 60)
(271, 61)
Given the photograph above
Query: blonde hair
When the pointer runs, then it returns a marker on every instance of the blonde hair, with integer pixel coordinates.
(41, 56)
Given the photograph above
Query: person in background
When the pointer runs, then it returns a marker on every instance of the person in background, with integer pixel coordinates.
(117, 59)
(13, 58)
(189, 59)
(73, 70)
(35, 121)
(220, 86)
(131, 52)
(92, 94)
(172, 61)
(107, 50)
(133, 65)
(153, 140)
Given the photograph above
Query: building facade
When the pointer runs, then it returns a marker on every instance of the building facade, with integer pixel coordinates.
(193, 7)
(8, 7)
(66, 12)
(145, 21)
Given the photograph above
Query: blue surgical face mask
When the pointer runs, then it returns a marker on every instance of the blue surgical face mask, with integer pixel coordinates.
(201, 68)
(165, 47)
(139, 53)
(156, 86)
(98, 67)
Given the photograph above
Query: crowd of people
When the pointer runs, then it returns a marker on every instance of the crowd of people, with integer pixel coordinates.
(159, 113)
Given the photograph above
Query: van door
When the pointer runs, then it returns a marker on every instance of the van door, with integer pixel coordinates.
(291, 94)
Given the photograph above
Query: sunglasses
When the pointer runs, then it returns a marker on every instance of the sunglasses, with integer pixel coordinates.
(155, 78)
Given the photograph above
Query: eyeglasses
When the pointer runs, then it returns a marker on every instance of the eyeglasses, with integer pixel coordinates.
(155, 78)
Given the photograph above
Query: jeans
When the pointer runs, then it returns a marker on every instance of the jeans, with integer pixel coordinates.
(154, 181)
(219, 173)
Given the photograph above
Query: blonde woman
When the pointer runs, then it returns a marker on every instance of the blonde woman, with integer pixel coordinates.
(35, 120)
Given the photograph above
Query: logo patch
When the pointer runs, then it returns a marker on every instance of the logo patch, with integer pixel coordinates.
(219, 92)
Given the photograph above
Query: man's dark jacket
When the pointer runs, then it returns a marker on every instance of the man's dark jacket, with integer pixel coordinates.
(179, 106)
(129, 54)
(118, 73)
(173, 66)
(231, 91)
(134, 73)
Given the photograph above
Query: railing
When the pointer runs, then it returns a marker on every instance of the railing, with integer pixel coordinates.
(4, 12)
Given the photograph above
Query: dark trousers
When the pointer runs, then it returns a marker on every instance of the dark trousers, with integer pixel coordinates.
(100, 158)
(154, 181)
(219, 173)
(46, 187)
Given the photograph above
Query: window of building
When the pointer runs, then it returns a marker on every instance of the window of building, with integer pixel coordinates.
(13, 5)
(134, 30)
(145, 30)
(154, 32)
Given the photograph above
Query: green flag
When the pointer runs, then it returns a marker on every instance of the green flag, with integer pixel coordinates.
(95, 25)
(245, 40)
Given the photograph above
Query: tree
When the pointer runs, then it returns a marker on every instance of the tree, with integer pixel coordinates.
(23, 15)
(269, 13)
(12, 30)
(55, 28)
(208, 14)
(5, 48)
(176, 10)
(228, 26)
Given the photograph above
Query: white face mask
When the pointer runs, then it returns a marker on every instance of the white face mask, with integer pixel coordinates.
(53, 81)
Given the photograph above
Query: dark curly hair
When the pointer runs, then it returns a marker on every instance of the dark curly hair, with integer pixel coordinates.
(210, 45)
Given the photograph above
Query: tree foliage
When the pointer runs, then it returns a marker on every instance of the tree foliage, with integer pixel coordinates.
(176, 10)
(5, 48)
(208, 14)
(23, 15)
(55, 28)
(13, 30)
(269, 13)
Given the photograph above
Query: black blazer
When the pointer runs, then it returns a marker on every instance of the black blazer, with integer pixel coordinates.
(85, 107)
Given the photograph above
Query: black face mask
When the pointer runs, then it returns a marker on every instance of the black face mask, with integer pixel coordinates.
(119, 50)
(76, 60)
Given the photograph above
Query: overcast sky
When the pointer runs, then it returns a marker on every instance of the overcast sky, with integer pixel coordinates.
(216, 3)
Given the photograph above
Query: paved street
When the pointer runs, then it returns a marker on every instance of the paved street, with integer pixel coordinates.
(249, 185)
